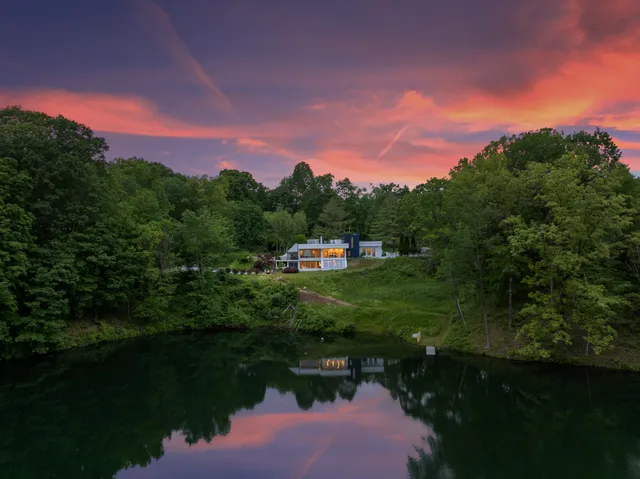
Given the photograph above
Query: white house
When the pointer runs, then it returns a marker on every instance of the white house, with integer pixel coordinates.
(317, 255)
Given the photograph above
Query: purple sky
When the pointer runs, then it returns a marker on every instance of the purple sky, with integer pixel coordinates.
(367, 89)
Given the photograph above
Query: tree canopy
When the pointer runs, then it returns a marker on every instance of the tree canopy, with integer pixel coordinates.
(542, 225)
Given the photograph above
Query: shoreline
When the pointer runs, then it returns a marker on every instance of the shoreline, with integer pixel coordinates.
(104, 333)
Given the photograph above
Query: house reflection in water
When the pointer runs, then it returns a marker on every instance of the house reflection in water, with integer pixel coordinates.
(346, 366)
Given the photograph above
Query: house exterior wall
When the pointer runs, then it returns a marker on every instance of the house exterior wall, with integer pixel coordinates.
(371, 249)
(353, 242)
(317, 257)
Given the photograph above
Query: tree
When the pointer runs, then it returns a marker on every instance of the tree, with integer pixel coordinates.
(204, 237)
(283, 227)
(475, 217)
(241, 186)
(334, 221)
(586, 224)
(299, 239)
(385, 226)
(249, 225)
(304, 192)
(357, 204)
(290, 193)
(67, 197)
(15, 243)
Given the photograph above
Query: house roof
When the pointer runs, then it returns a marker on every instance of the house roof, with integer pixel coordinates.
(297, 246)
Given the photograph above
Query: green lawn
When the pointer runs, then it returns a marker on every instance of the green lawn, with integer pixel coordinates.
(394, 296)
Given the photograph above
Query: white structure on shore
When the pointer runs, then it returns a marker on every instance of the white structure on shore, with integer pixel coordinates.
(316, 255)
(345, 366)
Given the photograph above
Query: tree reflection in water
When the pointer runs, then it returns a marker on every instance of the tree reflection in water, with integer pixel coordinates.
(95, 412)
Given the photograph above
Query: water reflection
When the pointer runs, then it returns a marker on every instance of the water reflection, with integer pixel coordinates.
(247, 405)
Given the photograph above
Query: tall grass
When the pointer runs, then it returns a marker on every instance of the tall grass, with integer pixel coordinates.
(395, 296)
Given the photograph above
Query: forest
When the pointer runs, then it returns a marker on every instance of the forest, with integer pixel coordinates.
(542, 225)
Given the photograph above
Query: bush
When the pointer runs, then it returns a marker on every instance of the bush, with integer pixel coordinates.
(458, 338)
(347, 329)
(316, 320)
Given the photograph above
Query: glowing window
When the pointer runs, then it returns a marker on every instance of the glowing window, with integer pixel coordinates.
(334, 253)
(310, 265)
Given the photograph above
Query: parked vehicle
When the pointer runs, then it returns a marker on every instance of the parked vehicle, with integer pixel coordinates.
(290, 269)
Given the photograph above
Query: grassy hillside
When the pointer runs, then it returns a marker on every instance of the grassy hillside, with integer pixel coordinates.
(396, 297)
(400, 297)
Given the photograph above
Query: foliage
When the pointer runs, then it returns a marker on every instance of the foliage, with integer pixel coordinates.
(541, 224)
(284, 227)
(542, 220)
(83, 240)
(333, 222)
(416, 302)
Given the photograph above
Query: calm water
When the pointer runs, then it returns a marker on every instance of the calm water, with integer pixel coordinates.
(247, 405)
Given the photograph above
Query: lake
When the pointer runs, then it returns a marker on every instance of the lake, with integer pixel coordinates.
(272, 405)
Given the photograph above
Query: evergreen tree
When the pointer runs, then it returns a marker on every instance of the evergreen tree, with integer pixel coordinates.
(333, 222)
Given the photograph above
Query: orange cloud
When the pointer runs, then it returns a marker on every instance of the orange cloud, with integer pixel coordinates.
(582, 89)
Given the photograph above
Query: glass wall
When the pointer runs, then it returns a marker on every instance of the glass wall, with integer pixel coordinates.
(310, 265)
(310, 253)
(339, 263)
(368, 252)
(334, 252)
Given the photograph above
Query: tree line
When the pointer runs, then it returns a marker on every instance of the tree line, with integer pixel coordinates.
(542, 225)
(85, 238)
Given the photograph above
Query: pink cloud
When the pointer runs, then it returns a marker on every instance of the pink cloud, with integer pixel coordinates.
(366, 134)
(226, 165)
(395, 138)
(260, 429)
(315, 455)
(128, 114)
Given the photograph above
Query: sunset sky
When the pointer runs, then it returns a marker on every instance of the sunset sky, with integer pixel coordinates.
(373, 90)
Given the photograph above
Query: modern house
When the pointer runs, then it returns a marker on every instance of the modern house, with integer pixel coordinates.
(317, 255)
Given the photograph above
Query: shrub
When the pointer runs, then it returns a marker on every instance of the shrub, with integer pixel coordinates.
(347, 329)
(316, 320)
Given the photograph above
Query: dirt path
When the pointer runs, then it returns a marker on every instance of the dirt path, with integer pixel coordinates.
(311, 297)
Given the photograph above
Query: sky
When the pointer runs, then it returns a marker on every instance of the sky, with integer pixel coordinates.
(373, 90)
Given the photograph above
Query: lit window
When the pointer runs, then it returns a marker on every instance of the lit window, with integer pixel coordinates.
(334, 253)
(310, 265)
